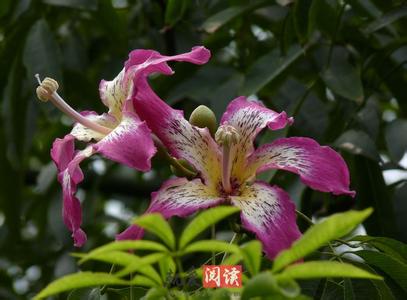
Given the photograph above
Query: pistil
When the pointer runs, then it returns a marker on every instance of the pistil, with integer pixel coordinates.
(226, 137)
(47, 90)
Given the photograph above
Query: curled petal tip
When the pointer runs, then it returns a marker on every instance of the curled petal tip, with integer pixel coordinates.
(79, 237)
(201, 54)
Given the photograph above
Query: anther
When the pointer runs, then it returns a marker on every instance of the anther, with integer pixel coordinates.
(47, 91)
(46, 88)
(227, 135)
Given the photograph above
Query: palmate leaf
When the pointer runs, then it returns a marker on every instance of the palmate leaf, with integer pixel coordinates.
(267, 286)
(135, 266)
(251, 253)
(318, 235)
(322, 269)
(125, 259)
(211, 246)
(203, 221)
(156, 224)
(124, 245)
(79, 280)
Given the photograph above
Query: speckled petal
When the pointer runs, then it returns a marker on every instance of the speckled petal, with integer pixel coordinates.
(182, 139)
(268, 212)
(130, 143)
(176, 197)
(319, 167)
(70, 175)
(85, 134)
(249, 118)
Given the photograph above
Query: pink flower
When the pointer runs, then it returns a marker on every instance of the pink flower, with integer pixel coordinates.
(118, 135)
(227, 167)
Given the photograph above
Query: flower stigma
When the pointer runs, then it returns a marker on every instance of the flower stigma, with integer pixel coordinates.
(47, 91)
(227, 136)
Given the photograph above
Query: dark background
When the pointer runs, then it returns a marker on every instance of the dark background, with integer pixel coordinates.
(339, 67)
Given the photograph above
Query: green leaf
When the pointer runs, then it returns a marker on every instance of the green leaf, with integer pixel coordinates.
(41, 53)
(359, 143)
(301, 18)
(135, 266)
(126, 259)
(322, 269)
(396, 142)
(175, 10)
(211, 246)
(81, 4)
(203, 221)
(393, 267)
(390, 246)
(385, 20)
(263, 284)
(124, 245)
(268, 67)
(157, 225)
(221, 18)
(167, 268)
(320, 234)
(79, 280)
(368, 181)
(251, 253)
(342, 77)
(141, 280)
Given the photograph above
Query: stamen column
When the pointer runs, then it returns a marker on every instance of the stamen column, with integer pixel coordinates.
(226, 137)
(47, 90)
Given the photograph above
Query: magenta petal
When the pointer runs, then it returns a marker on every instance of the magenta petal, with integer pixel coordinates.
(150, 61)
(182, 139)
(176, 197)
(130, 143)
(319, 167)
(268, 212)
(249, 118)
(70, 175)
(253, 116)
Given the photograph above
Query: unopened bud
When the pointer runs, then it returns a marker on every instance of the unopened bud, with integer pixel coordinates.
(227, 135)
(46, 88)
(203, 117)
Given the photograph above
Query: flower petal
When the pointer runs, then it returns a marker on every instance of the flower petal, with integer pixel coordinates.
(130, 143)
(176, 197)
(319, 167)
(269, 213)
(70, 175)
(182, 139)
(249, 118)
(86, 134)
(142, 63)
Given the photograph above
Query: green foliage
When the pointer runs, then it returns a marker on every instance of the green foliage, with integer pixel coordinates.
(204, 221)
(319, 235)
(281, 283)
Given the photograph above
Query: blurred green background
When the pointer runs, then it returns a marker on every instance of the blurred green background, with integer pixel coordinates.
(339, 67)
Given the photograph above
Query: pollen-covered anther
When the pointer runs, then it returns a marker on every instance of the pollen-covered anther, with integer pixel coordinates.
(46, 88)
(227, 135)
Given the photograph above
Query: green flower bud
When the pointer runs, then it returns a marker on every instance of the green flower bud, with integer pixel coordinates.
(203, 117)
